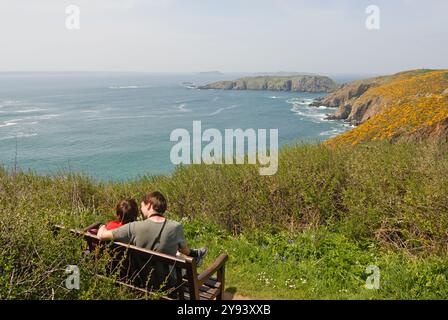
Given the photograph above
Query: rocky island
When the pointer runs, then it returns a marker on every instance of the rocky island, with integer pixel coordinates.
(296, 83)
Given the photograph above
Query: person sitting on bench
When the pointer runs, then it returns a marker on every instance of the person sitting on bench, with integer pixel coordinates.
(155, 232)
(126, 212)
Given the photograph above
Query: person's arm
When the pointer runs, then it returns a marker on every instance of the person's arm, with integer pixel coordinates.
(182, 243)
(104, 234)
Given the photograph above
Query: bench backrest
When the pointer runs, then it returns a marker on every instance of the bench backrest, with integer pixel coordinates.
(146, 269)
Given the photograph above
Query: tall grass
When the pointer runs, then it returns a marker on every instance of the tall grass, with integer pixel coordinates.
(310, 229)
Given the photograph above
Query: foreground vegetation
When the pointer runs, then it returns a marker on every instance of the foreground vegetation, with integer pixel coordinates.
(308, 232)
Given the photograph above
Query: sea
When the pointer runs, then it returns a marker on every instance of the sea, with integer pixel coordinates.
(115, 126)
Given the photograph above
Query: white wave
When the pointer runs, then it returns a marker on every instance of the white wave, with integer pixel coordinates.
(90, 111)
(321, 116)
(293, 101)
(216, 112)
(322, 107)
(19, 135)
(332, 132)
(298, 112)
(297, 108)
(30, 110)
(8, 124)
(309, 113)
(183, 108)
(120, 117)
(233, 106)
(274, 97)
(45, 116)
(12, 103)
(318, 118)
(129, 87)
(300, 101)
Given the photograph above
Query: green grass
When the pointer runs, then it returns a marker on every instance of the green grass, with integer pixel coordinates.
(309, 232)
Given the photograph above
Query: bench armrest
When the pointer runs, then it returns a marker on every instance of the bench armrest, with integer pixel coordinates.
(83, 233)
(215, 267)
(94, 225)
(62, 227)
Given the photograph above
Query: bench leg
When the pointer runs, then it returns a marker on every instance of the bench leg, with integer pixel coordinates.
(221, 278)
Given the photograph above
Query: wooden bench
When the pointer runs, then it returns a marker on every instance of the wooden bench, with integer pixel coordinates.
(145, 270)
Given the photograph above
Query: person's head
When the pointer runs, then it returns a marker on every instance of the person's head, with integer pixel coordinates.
(153, 202)
(127, 211)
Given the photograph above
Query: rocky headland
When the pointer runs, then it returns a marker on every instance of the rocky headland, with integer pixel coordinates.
(411, 105)
(296, 83)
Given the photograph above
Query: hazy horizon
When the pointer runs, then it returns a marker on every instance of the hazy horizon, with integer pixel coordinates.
(173, 36)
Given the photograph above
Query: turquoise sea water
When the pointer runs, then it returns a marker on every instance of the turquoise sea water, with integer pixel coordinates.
(116, 126)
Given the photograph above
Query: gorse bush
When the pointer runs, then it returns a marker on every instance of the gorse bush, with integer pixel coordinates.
(412, 105)
(309, 231)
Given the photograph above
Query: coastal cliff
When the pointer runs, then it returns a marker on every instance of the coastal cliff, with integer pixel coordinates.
(297, 83)
(411, 105)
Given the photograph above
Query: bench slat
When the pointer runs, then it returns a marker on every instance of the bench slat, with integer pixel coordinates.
(210, 290)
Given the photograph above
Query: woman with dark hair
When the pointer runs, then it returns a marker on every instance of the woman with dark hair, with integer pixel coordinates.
(126, 211)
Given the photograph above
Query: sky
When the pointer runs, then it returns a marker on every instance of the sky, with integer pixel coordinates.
(317, 36)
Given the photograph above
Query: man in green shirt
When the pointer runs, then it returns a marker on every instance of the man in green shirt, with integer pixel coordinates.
(155, 232)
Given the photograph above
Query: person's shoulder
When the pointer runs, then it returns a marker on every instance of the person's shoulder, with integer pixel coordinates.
(138, 223)
(131, 225)
(173, 224)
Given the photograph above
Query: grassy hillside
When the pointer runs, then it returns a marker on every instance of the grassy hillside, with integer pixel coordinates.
(411, 105)
(310, 231)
